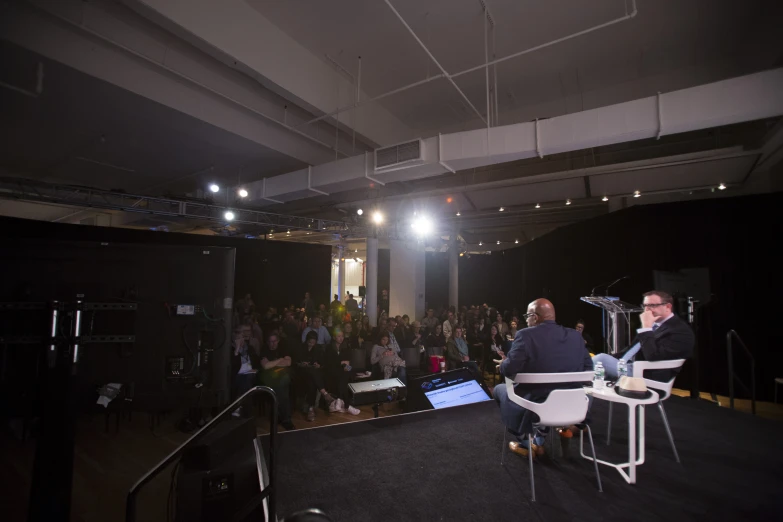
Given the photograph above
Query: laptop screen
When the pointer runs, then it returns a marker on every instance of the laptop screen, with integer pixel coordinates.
(454, 388)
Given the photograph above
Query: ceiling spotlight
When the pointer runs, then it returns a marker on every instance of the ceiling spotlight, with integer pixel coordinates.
(242, 193)
(229, 215)
(480, 243)
(604, 198)
(360, 212)
(422, 225)
(214, 187)
(459, 214)
(538, 205)
(501, 209)
(637, 194)
(516, 241)
(309, 233)
(568, 202)
(288, 232)
(721, 187)
(449, 199)
(461, 254)
(498, 242)
(377, 218)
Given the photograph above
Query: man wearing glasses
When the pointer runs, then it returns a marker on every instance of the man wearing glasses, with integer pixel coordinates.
(662, 337)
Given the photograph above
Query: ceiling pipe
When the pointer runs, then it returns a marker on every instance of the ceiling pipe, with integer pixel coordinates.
(448, 76)
(436, 62)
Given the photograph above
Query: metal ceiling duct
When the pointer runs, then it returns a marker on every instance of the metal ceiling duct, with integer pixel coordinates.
(745, 98)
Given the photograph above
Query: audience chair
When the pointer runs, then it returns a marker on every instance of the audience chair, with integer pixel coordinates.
(666, 387)
(561, 408)
(412, 358)
(358, 359)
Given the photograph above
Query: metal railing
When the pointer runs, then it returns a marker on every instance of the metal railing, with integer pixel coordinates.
(731, 334)
(267, 492)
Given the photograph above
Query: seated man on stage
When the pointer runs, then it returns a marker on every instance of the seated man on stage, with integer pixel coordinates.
(543, 347)
(662, 337)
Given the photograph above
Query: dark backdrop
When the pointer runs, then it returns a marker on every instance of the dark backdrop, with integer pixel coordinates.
(737, 239)
(276, 273)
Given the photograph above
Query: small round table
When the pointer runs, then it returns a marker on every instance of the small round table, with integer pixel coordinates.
(609, 394)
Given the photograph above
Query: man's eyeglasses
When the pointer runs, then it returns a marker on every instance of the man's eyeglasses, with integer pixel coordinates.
(651, 305)
(529, 315)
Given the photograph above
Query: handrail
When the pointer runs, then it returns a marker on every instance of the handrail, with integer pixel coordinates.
(130, 505)
(732, 376)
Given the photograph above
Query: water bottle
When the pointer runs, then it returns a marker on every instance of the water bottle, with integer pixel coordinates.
(598, 379)
(622, 369)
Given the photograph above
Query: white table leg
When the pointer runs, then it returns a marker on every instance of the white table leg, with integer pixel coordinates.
(631, 444)
(641, 435)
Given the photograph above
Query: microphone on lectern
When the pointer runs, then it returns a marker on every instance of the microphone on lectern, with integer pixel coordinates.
(615, 282)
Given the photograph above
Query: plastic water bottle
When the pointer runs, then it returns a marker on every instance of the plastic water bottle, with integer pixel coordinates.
(598, 379)
(622, 369)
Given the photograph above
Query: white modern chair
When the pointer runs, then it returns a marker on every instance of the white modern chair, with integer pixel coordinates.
(561, 408)
(666, 387)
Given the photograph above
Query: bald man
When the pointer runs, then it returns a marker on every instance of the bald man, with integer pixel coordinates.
(543, 347)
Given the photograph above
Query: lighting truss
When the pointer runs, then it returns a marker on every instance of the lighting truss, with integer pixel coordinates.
(21, 189)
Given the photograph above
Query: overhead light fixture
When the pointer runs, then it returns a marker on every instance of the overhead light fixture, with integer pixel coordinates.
(229, 215)
(604, 198)
(377, 218)
(480, 243)
(242, 193)
(498, 242)
(214, 187)
(422, 225)
(458, 213)
(309, 233)
(360, 212)
(449, 199)
(538, 205)
(288, 232)
(461, 254)
(637, 194)
(568, 202)
(501, 209)
(357, 259)
(721, 187)
(516, 241)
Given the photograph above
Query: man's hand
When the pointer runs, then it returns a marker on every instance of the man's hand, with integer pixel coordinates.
(316, 365)
(648, 319)
(465, 358)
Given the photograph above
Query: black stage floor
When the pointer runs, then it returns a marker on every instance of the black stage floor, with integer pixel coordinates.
(445, 465)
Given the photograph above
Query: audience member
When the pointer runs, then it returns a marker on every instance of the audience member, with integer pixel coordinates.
(388, 360)
(404, 333)
(244, 363)
(475, 342)
(351, 306)
(308, 305)
(379, 330)
(393, 343)
(543, 347)
(337, 363)
(276, 373)
(448, 325)
(383, 302)
(365, 330)
(512, 331)
(434, 341)
(430, 321)
(662, 337)
(309, 362)
(322, 333)
(458, 353)
(580, 327)
(501, 324)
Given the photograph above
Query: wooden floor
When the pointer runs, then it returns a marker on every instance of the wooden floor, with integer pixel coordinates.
(107, 464)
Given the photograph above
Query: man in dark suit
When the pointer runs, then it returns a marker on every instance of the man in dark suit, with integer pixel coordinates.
(543, 347)
(662, 337)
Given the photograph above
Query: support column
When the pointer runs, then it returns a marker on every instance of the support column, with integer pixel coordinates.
(454, 270)
(340, 273)
(371, 276)
(406, 281)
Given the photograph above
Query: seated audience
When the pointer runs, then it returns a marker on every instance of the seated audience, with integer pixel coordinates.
(244, 363)
(337, 363)
(430, 321)
(458, 353)
(308, 305)
(475, 342)
(662, 337)
(309, 362)
(404, 333)
(501, 324)
(435, 340)
(543, 347)
(512, 331)
(365, 330)
(448, 325)
(382, 328)
(580, 327)
(322, 334)
(276, 373)
(388, 359)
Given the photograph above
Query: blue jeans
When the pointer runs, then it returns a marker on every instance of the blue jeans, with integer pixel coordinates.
(610, 366)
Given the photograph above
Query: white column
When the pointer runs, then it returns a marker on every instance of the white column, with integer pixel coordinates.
(453, 270)
(406, 281)
(340, 273)
(371, 277)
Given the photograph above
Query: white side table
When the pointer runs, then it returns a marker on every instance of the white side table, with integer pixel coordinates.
(609, 394)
